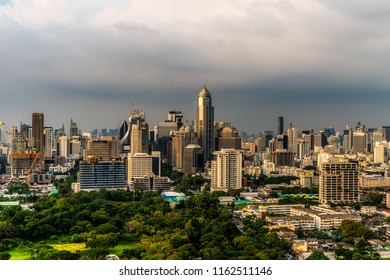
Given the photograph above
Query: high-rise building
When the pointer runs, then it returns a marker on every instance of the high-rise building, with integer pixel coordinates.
(74, 130)
(226, 170)
(3, 133)
(282, 157)
(292, 136)
(280, 126)
(96, 175)
(48, 135)
(19, 144)
(266, 136)
(339, 182)
(359, 141)
(228, 139)
(381, 152)
(63, 146)
(139, 139)
(139, 165)
(37, 131)
(177, 117)
(193, 159)
(205, 122)
(348, 138)
(320, 139)
(103, 150)
(386, 132)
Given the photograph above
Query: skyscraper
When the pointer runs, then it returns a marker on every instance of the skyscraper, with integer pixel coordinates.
(74, 130)
(139, 139)
(205, 122)
(280, 127)
(48, 134)
(3, 135)
(37, 131)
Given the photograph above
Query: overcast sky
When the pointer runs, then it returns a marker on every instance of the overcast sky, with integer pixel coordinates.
(318, 63)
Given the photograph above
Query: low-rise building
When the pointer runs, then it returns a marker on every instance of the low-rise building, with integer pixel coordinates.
(368, 210)
(299, 222)
(333, 221)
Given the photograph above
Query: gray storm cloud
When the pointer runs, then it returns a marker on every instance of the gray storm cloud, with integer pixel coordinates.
(260, 59)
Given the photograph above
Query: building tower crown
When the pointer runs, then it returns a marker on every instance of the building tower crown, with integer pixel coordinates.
(204, 92)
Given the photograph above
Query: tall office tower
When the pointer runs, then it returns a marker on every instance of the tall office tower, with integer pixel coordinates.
(329, 131)
(37, 131)
(178, 144)
(63, 146)
(279, 143)
(266, 136)
(308, 137)
(48, 135)
(381, 154)
(226, 170)
(282, 157)
(280, 126)
(193, 159)
(74, 130)
(228, 139)
(320, 139)
(103, 150)
(139, 139)
(205, 122)
(348, 138)
(180, 139)
(177, 117)
(359, 141)
(76, 147)
(386, 132)
(339, 182)
(377, 136)
(139, 165)
(292, 135)
(156, 163)
(3, 133)
(302, 149)
(24, 129)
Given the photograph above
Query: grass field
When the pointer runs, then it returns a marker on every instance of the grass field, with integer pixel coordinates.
(23, 252)
(20, 253)
(71, 247)
(117, 250)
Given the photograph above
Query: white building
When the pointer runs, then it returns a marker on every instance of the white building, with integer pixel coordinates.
(48, 136)
(226, 170)
(139, 166)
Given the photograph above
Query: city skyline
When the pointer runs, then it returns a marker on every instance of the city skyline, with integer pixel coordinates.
(316, 63)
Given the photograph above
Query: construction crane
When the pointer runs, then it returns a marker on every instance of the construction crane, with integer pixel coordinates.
(38, 155)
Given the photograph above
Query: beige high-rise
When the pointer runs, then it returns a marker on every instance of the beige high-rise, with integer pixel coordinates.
(226, 170)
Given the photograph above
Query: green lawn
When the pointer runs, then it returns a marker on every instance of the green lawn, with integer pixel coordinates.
(117, 250)
(20, 253)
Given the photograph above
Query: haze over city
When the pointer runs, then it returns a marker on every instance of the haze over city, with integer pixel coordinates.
(317, 63)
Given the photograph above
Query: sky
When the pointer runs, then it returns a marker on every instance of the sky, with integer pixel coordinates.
(317, 63)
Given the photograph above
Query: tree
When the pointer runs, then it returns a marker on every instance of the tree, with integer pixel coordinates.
(5, 256)
(353, 229)
(317, 255)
